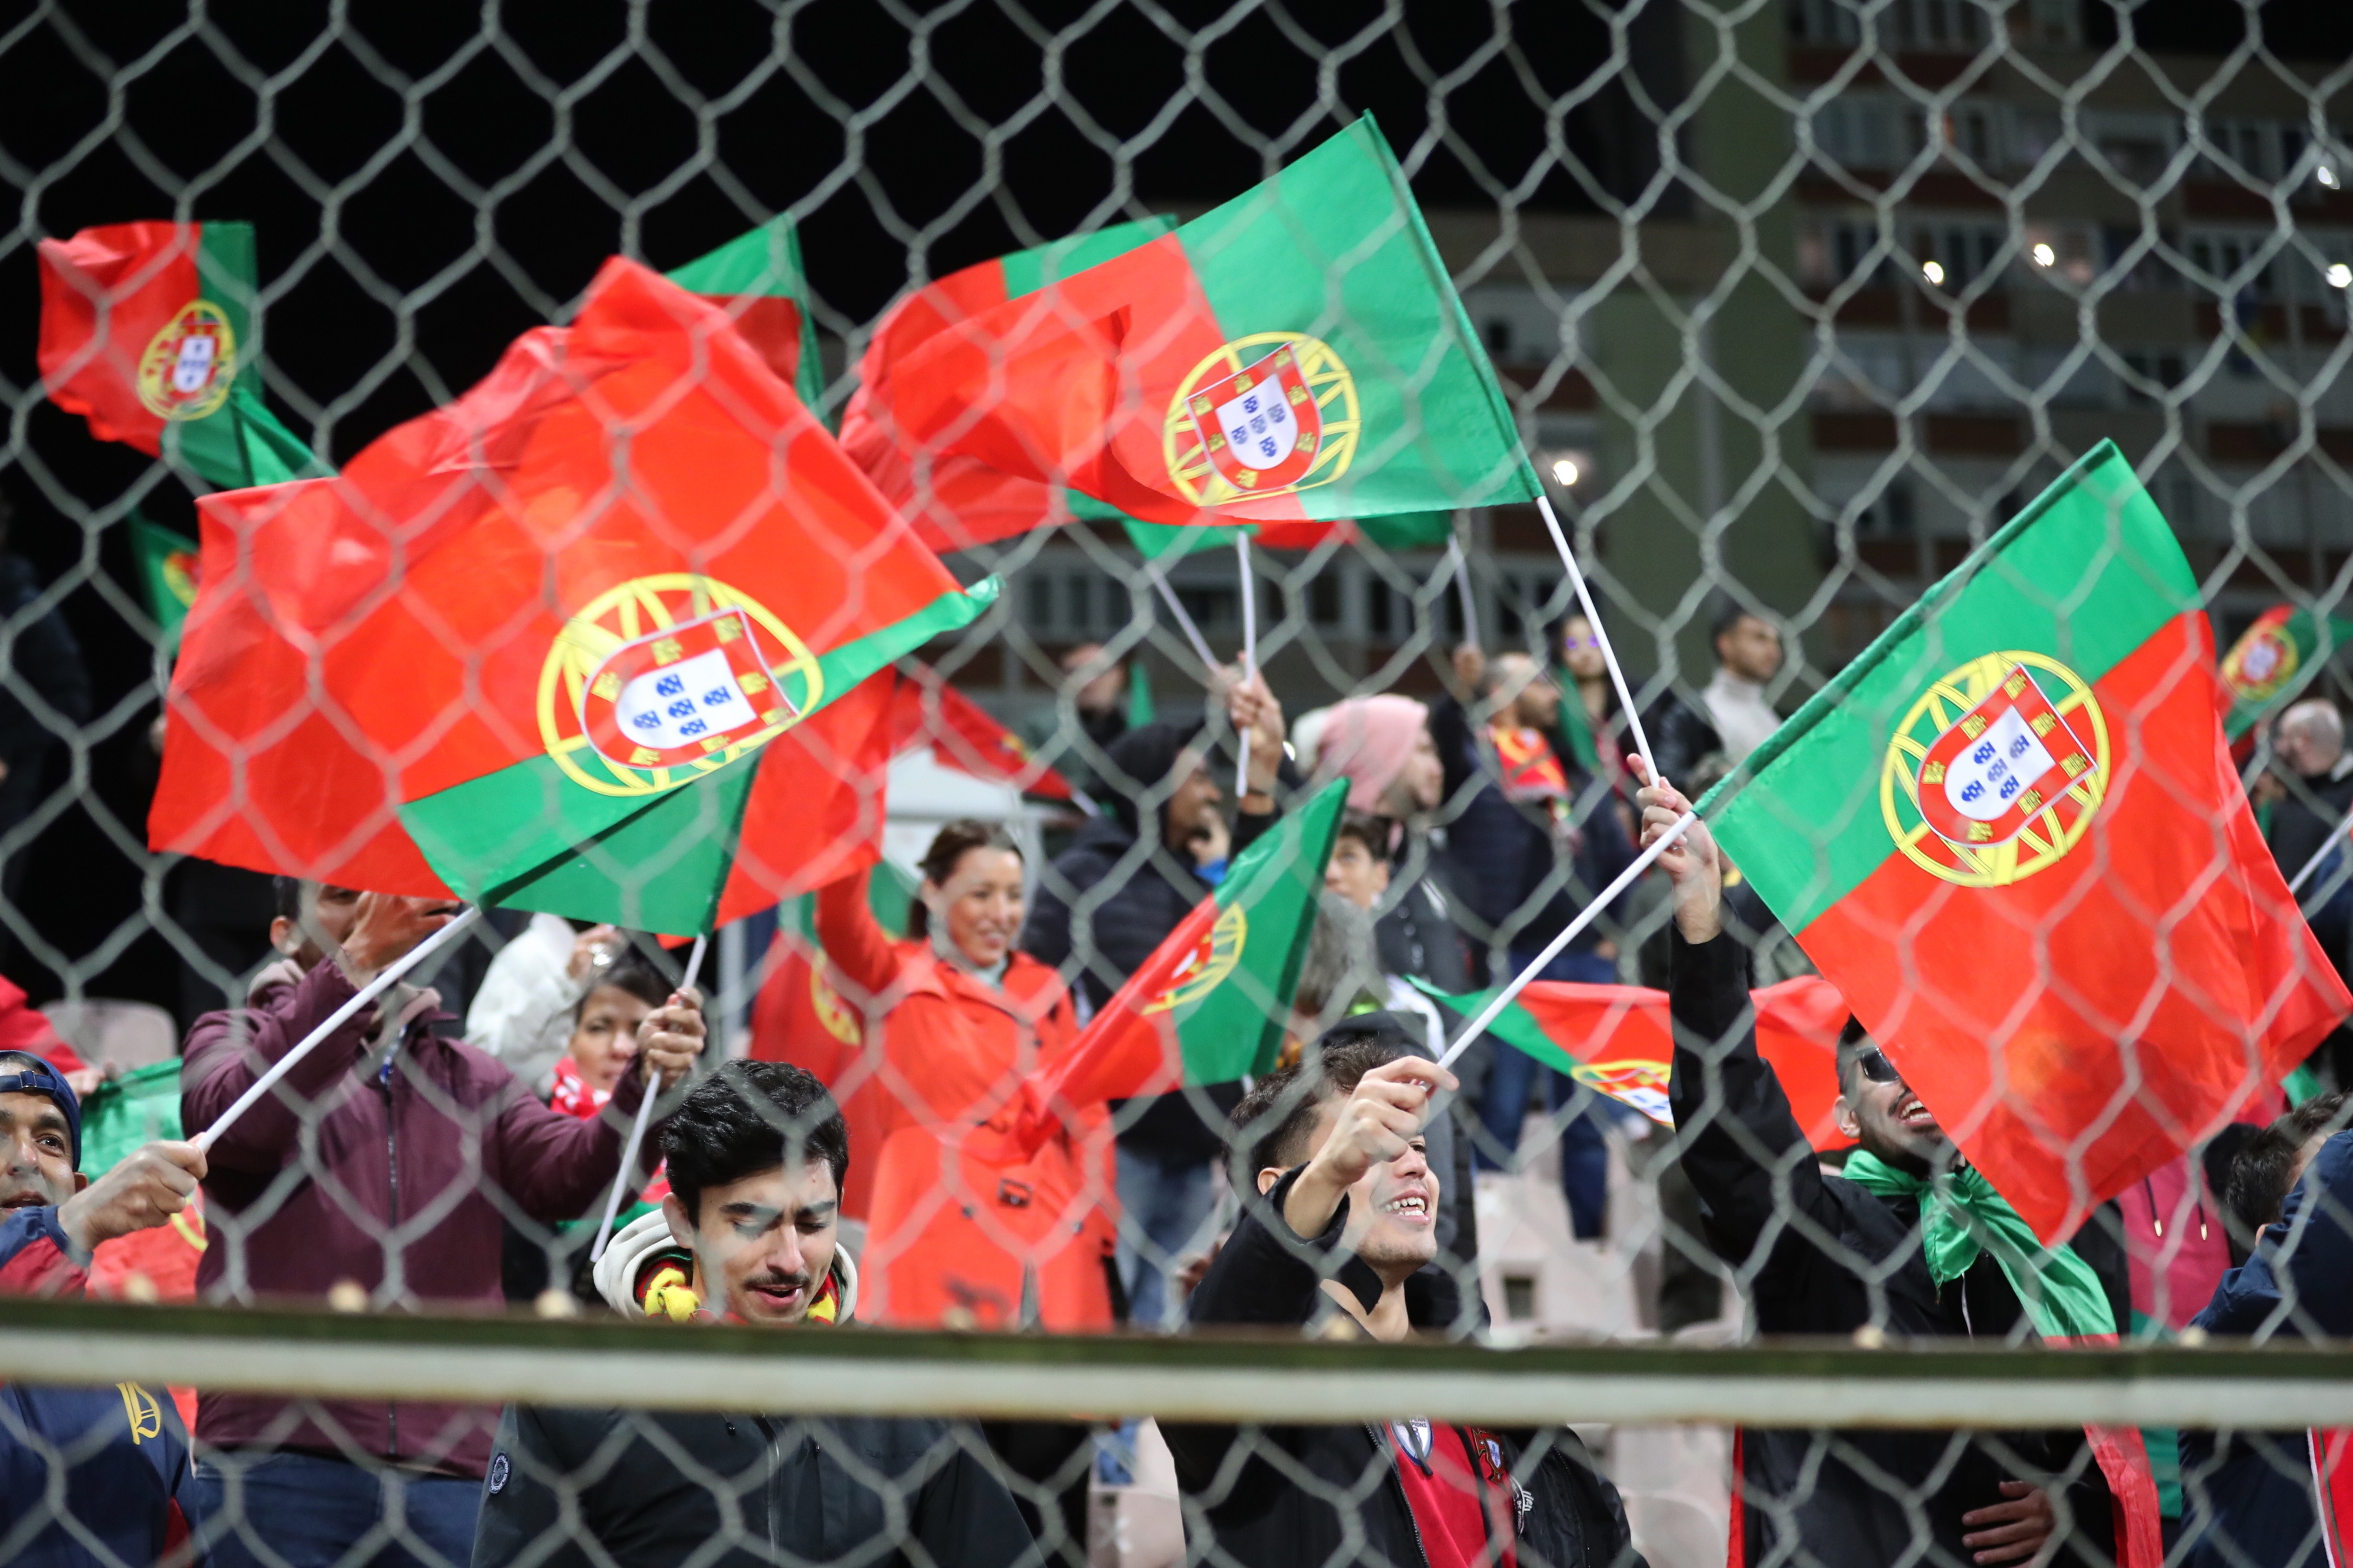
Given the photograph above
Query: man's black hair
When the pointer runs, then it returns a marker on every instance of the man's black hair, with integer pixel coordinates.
(1853, 1042)
(1729, 612)
(288, 892)
(2264, 1172)
(642, 981)
(750, 1117)
(1273, 1120)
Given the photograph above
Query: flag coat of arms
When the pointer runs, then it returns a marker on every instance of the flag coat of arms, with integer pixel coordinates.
(147, 333)
(2010, 834)
(1298, 353)
(2274, 659)
(460, 665)
(955, 502)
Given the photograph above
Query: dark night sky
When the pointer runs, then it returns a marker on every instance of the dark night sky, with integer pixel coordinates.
(354, 156)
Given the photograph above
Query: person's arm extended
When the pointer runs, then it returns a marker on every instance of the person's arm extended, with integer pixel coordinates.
(228, 1051)
(557, 1167)
(852, 938)
(1740, 1139)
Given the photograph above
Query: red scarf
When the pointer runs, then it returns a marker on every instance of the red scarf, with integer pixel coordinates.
(1531, 772)
(575, 1097)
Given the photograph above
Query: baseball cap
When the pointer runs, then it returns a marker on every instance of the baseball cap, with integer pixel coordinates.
(43, 1078)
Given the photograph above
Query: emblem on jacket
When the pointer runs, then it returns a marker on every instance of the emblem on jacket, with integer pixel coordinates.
(1265, 415)
(1996, 771)
(664, 678)
(186, 368)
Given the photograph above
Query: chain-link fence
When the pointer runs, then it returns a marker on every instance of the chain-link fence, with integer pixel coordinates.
(1118, 571)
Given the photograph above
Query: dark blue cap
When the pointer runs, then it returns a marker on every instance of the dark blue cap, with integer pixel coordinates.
(46, 1080)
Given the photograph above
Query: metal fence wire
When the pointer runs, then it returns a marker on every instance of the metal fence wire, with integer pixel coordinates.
(809, 782)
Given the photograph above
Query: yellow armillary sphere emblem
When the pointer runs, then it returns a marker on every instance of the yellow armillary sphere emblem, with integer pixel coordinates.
(1996, 771)
(665, 679)
(1265, 416)
(187, 368)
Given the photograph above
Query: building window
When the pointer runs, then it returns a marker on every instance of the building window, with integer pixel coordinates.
(2164, 367)
(2226, 260)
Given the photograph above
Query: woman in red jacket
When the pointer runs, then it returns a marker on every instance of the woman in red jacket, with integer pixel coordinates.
(965, 1230)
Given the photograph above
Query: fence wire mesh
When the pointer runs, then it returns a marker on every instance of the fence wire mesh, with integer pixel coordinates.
(1042, 536)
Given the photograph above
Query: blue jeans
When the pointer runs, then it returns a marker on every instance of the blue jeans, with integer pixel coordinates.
(302, 1511)
(1165, 1210)
(1504, 1106)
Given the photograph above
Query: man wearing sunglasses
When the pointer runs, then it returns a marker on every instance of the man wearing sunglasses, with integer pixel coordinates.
(1882, 1249)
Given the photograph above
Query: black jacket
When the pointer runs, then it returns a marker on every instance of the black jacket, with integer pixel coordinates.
(42, 653)
(1259, 1516)
(1109, 900)
(1683, 736)
(1846, 1496)
(1416, 931)
(1515, 889)
(660, 1487)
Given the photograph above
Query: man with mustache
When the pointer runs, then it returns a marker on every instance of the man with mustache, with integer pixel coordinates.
(1893, 1247)
(117, 1452)
(1341, 1236)
(377, 1174)
(748, 1234)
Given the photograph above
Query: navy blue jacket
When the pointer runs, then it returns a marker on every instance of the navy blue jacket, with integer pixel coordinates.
(1516, 890)
(128, 1479)
(2247, 1496)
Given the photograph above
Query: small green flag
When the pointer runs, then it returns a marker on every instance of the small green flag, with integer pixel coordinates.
(2276, 658)
(167, 571)
(124, 1112)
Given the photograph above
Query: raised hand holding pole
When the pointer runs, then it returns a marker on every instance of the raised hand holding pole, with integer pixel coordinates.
(366, 993)
(621, 1183)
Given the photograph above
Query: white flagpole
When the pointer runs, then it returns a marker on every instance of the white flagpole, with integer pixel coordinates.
(1249, 652)
(336, 1020)
(621, 1183)
(1600, 634)
(2319, 855)
(1585, 917)
(1462, 565)
(1201, 644)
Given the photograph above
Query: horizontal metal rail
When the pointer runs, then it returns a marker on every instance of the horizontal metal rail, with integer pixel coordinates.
(823, 1371)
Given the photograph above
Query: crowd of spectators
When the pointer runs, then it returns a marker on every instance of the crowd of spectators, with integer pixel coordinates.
(417, 1161)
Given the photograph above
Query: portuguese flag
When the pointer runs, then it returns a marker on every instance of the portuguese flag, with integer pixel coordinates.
(926, 711)
(757, 279)
(167, 570)
(2276, 658)
(565, 644)
(1210, 1005)
(147, 333)
(1296, 354)
(800, 1017)
(1618, 1040)
(1412, 531)
(2010, 834)
(957, 502)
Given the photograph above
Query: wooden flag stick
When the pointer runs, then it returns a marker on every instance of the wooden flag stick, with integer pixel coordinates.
(1600, 634)
(1585, 917)
(621, 1183)
(336, 1020)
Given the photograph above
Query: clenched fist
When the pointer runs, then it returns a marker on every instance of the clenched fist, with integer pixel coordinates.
(144, 1190)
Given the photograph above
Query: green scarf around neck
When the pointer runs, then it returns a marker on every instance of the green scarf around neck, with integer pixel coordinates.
(1961, 1215)
(1576, 724)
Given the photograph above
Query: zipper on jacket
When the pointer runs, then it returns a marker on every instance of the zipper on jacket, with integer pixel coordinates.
(392, 1219)
(776, 1484)
(1385, 1445)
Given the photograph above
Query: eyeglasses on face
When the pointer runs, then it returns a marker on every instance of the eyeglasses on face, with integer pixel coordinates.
(1874, 1066)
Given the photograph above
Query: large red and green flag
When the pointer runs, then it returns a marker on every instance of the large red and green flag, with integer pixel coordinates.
(1410, 531)
(1210, 1005)
(1296, 354)
(147, 331)
(1618, 1040)
(2010, 832)
(757, 279)
(167, 572)
(594, 639)
(2276, 658)
(925, 711)
(957, 502)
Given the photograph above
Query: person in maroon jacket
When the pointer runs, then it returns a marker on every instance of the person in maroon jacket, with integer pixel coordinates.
(378, 1171)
